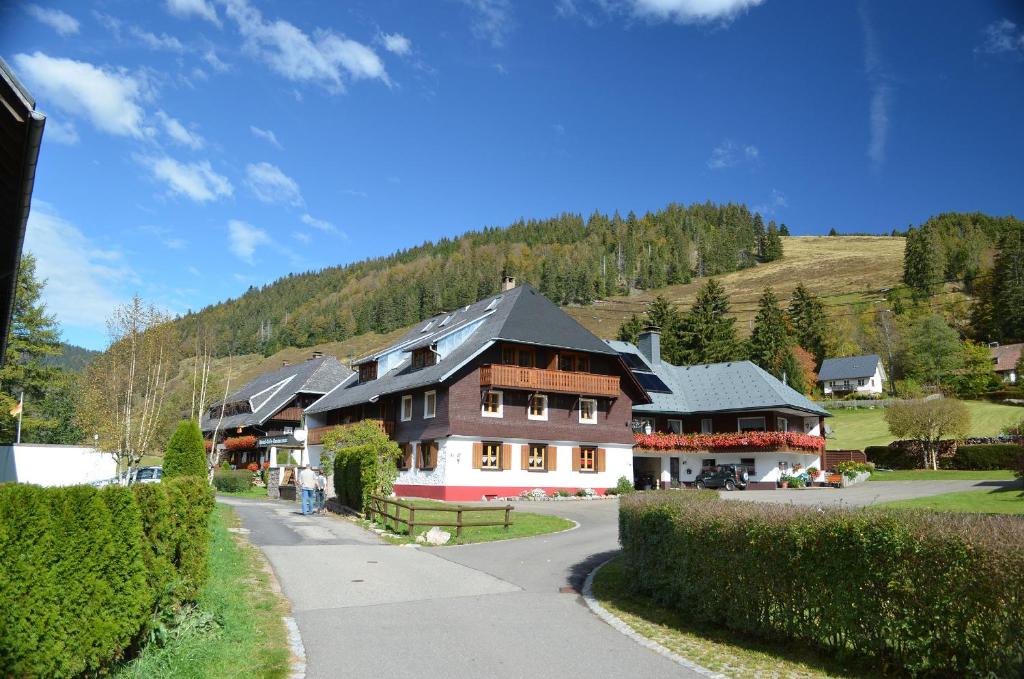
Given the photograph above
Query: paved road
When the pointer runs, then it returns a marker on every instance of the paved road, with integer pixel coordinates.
(869, 493)
(367, 609)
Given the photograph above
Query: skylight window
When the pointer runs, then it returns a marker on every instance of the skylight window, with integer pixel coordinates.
(445, 321)
(494, 303)
(428, 326)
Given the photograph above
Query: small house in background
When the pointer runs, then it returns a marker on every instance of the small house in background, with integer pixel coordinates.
(852, 375)
(47, 464)
(266, 415)
(1005, 359)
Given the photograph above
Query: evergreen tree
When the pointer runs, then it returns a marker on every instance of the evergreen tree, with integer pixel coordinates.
(1008, 285)
(759, 235)
(630, 329)
(932, 351)
(922, 262)
(977, 374)
(773, 244)
(833, 232)
(664, 315)
(769, 341)
(808, 321)
(707, 332)
(783, 230)
(791, 372)
(186, 452)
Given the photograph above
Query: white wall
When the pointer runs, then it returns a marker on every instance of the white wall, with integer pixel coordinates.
(872, 385)
(52, 465)
(766, 464)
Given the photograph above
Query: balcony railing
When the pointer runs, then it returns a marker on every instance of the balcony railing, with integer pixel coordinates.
(558, 381)
(316, 434)
(780, 441)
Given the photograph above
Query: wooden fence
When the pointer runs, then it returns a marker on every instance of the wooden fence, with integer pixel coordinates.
(830, 458)
(380, 506)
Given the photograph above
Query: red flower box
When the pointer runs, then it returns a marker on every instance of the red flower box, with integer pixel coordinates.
(756, 440)
(240, 443)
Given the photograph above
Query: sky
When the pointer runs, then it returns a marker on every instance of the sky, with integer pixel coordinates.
(195, 148)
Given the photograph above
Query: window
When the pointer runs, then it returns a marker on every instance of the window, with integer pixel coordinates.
(428, 326)
(860, 382)
(406, 407)
(429, 404)
(524, 358)
(646, 425)
(494, 303)
(527, 359)
(750, 424)
(538, 407)
(405, 461)
(537, 457)
(423, 358)
(446, 319)
(428, 454)
(705, 426)
(749, 463)
(508, 356)
(492, 405)
(574, 362)
(368, 371)
(588, 410)
(675, 426)
(491, 456)
(707, 463)
(588, 459)
(781, 424)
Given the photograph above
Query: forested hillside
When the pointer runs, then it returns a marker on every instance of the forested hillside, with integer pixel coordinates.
(71, 357)
(571, 259)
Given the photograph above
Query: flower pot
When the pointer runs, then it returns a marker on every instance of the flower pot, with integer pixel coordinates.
(785, 484)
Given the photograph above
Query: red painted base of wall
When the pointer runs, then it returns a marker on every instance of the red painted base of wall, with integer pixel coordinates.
(473, 493)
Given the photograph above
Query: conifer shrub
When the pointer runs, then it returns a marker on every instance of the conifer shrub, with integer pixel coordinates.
(926, 594)
(186, 452)
(232, 481)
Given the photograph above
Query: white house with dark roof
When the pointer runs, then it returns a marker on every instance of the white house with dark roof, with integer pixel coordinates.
(1004, 361)
(852, 374)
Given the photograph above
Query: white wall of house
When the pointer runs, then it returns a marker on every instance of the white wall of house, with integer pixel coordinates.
(455, 467)
(53, 465)
(1009, 376)
(861, 385)
(767, 467)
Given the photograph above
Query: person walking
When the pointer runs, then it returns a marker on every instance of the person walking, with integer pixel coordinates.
(321, 491)
(307, 482)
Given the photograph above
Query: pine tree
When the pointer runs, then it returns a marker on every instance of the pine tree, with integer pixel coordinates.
(773, 244)
(808, 321)
(922, 262)
(664, 315)
(792, 373)
(707, 332)
(833, 232)
(769, 341)
(759, 235)
(630, 329)
(186, 451)
(1008, 285)
(783, 230)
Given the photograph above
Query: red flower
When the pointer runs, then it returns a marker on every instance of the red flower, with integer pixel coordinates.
(760, 440)
(240, 443)
(253, 467)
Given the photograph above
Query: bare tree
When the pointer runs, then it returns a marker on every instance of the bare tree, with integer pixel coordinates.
(211, 455)
(124, 389)
(929, 422)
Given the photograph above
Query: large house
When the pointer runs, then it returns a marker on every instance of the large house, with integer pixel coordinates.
(702, 416)
(501, 396)
(852, 375)
(261, 423)
(1005, 359)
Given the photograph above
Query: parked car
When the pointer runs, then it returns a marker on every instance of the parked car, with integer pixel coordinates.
(728, 476)
(148, 475)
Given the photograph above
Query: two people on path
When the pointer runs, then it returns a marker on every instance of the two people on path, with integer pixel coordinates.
(314, 490)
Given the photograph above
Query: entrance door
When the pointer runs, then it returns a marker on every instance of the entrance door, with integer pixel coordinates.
(673, 466)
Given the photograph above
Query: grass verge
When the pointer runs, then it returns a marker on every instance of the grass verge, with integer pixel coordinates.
(715, 649)
(524, 524)
(944, 475)
(998, 501)
(236, 629)
(257, 492)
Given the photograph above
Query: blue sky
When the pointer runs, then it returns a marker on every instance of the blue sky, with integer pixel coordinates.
(196, 147)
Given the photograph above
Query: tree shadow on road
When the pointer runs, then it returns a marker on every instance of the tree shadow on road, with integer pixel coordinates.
(579, 571)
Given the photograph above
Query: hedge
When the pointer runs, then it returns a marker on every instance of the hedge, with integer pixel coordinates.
(927, 594)
(232, 481)
(984, 456)
(85, 571)
(365, 462)
(891, 457)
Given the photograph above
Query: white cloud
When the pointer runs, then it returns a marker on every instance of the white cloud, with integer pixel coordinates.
(271, 185)
(179, 133)
(62, 22)
(187, 8)
(110, 99)
(691, 11)
(157, 42)
(80, 277)
(245, 238)
(493, 20)
(303, 237)
(214, 61)
(1002, 37)
(325, 58)
(881, 92)
(265, 134)
(197, 181)
(166, 236)
(729, 154)
(320, 224)
(775, 203)
(396, 43)
(61, 132)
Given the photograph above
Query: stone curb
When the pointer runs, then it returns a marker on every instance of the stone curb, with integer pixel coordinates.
(616, 622)
(298, 669)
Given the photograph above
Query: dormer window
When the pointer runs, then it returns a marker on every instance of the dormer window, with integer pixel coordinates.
(423, 358)
(368, 371)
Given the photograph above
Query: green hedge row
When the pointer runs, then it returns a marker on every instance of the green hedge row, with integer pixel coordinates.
(984, 456)
(928, 594)
(891, 457)
(232, 480)
(82, 570)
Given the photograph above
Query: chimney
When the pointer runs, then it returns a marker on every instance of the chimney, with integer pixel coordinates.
(649, 344)
(507, 283)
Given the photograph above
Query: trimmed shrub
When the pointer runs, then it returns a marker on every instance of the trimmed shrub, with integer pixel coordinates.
(232, 481)
(186, 452)
(624, 486)
(365, 462)
(929, 594)
(991, 456)
(890, 457)
(83, 570)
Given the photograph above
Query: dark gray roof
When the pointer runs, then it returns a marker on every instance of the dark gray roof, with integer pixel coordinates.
(271, 391)
(718, 387)
(848, 368)
(518, 315)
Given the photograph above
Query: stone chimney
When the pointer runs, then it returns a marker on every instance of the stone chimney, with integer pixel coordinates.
(649, 344)
(507, 283)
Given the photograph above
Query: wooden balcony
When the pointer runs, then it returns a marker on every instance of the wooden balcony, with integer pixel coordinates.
(557, 381)
(316, 434)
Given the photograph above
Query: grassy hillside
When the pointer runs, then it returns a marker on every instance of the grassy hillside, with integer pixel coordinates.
(841, 269)
(855, 429)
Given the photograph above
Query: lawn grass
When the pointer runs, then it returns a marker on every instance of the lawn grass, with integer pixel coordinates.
(524, 524)
(236, 630)
(997, 501)
(944, 475)
(857, 428)
(257, 492)
(716, 649)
